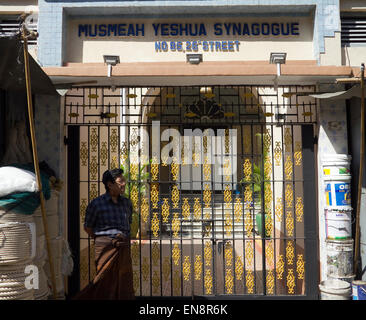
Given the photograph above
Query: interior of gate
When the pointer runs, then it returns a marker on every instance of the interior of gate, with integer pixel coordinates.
(215, 175)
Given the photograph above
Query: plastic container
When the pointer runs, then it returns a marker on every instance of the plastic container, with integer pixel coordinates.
(359, 290)
(338, 224)
(337, 182)
(335, 290)
(339, 258)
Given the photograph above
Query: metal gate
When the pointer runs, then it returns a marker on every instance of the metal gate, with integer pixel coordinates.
(221, 179)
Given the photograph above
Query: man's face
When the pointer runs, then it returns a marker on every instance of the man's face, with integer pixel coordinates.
(118, 187)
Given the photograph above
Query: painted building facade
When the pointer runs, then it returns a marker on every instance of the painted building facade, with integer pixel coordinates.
(153, 77)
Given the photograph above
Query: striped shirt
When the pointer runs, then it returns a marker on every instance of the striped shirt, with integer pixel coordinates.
(103, 214)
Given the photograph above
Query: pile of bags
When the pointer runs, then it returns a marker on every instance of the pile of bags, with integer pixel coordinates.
(24, 264)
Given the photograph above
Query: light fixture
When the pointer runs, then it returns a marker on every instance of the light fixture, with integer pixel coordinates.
(194, 58)
(110, 61)
(277, 58)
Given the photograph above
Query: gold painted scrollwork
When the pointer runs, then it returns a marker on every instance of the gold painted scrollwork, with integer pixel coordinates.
(145, 209)
(93, 140)
(267, 168)
(176, 254)
(249, 281)
(290, 255)
(279, 209)
(103, 153)
(155, 253)
(239, 268)
(186, 268)
(289, 224)
(175, 196)
(93, 168)
(248, 197)
(134, 197)
(288, 140)
(166, 268)
(289, 197)
(300, 267)
(155, 225)
(228, 254)
(208, 253)
(154, 169)
(280, 267)
(269, 254)
(83, 154)
(124, 152)
(229, 281)
(198, 267)
(197, 209)
(83, 206)
(288, 168)
(176, 282)
(175, 225)
(208, 282)
(238, 210)
(207, 196)
(227, 170)
(145, 269)
(290, 281)
(154, 195)
(207, 169)
(278, 153)
(227, 196)
(155, 282)
(248, 222)
(114, 163)
(267, 197)
(299, 209)
(228, 223)
(136, 281)
(113, 140)
(186, 209)
(247, 169)
(298, 153)
(175, 169)
(135, 253)
(249, 253)
(93, 192)
(270, 282)
(165, 210)
(267, 139)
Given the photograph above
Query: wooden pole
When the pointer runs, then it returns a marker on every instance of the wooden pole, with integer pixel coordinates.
(360, 174)
(35, 157)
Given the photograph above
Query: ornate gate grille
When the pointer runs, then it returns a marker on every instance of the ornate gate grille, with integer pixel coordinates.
(242, 232)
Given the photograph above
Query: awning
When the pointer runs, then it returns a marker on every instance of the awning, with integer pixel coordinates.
(12, 76)
(355, 91)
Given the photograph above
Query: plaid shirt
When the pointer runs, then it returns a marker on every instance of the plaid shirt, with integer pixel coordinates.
(103, 214)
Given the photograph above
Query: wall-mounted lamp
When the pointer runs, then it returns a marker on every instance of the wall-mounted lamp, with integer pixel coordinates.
(194, 58)
(278, 58)
(110, 61)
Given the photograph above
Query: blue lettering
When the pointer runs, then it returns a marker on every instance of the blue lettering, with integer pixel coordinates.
(131, 30)
(174, 29)
(275, 29)
(212, 44)
(102, 30)
(164, 29)
(181, 29)
(217, 45)
(237, 29)
(246, 30)
(172, 45)
(83, 28)
(255, 29)
(195, 46)
(227, 27)
(203, 30)
(287, 32)
(205, 46)
(231, 45)
(156, 28)
(140, 29)
(112, 28)
(237, 43)
(295, 28)
(224, 45)
(179, 46)
(91, 34)
(121, 29)
(157, 46)
(265, 29)
(218, 29)
(164, 46)
(191, 33)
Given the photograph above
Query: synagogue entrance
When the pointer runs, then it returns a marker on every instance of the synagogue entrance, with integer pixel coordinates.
(222, 183)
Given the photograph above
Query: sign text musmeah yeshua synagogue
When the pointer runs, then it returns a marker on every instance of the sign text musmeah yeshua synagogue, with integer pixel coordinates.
(161, 30)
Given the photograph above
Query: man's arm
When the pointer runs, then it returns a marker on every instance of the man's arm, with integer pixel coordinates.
(89, 231)
(90, 217)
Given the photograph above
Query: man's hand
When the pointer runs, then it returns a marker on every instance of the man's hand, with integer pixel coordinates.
(89, 231)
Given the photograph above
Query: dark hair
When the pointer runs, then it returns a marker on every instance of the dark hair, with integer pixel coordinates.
(110, 176)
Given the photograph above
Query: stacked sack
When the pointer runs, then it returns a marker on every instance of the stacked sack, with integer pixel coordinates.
(17, 250)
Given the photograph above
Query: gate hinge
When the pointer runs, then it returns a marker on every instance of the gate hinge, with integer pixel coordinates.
(66, 140)
(315, 139)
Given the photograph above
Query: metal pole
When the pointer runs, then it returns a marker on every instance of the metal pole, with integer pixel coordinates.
(35, 157)
(360, 175)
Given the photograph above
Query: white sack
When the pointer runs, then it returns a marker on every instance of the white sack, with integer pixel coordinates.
(14, 180)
